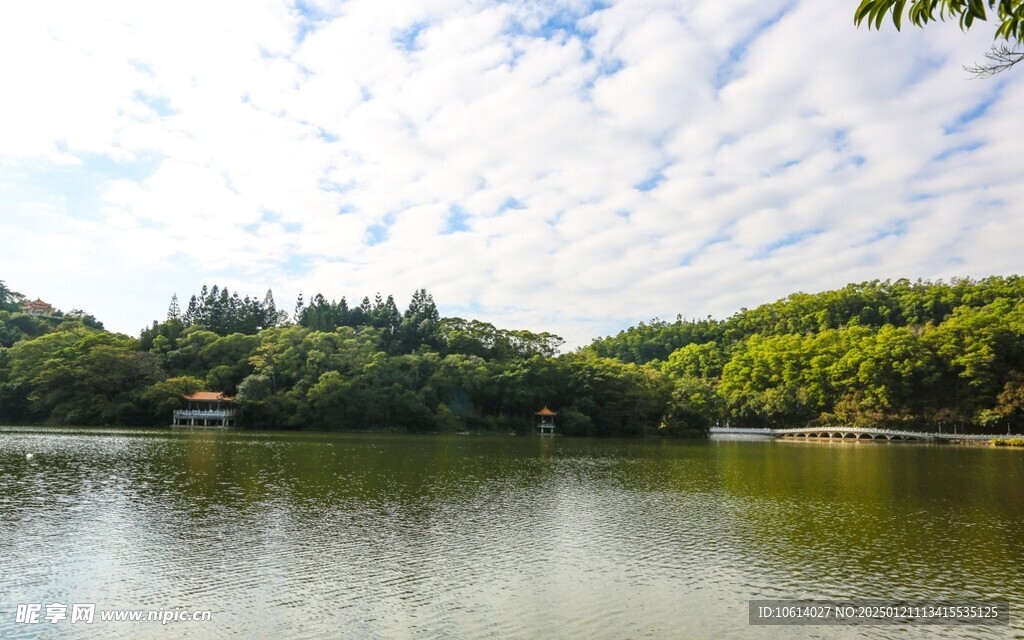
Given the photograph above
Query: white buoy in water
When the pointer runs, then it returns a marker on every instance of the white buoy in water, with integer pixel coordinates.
(28, 456)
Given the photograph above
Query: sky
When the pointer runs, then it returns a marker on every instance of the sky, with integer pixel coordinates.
(566, 166)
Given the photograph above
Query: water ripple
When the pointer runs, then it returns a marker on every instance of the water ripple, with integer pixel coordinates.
(316, 536)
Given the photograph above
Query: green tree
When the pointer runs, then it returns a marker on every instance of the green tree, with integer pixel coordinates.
(419, 324)
(619, 398)
(764, 383)
(174, 309)
(696, 361)
(693, 407)
(261, 406)
(1010, 402)
(1009, 33)
(163, 397)
(330, 403)
(83, 376)
(9, 300)
(981, 351)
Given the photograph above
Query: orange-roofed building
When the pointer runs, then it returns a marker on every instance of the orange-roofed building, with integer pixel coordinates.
(546, 421)
(37, 308)
(206, 409)
(209, 396)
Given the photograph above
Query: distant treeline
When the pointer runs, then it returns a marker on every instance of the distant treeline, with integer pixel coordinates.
(890, 353)
(907, 354)
(327, 366)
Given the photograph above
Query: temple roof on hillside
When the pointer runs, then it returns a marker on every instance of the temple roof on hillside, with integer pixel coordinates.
(209, 396)
(545, 412)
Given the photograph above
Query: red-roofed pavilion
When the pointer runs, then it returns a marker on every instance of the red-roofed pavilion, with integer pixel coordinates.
(546, 421)
(206, 409)
(37, 308)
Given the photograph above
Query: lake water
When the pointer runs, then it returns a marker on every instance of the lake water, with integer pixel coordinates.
(284, 535)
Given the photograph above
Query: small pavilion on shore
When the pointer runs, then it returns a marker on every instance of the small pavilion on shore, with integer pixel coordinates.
(206, 409)
(546, 421)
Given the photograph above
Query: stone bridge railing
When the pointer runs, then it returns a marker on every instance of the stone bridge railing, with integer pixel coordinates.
(852, 433)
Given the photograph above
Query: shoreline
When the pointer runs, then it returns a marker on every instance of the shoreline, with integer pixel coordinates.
(862, 434)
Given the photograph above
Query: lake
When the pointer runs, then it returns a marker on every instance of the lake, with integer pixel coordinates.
(310, 535)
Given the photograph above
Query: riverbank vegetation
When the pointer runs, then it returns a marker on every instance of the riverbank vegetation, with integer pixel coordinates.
(1007, 442)
(326, 366)
(885, 353)
(898, 354)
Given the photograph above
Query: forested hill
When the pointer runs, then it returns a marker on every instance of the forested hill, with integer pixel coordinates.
(899, 303)
(906, 354)
(326, 366)
(898, 353)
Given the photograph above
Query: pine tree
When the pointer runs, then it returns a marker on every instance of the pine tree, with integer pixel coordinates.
(419, 323)
(342, 314)
(318, 315)
(422, 307)
(174, 311)
(270, 316)
(390, 319)
(193, 312)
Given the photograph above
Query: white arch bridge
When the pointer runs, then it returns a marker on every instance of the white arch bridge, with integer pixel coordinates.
(851, 434)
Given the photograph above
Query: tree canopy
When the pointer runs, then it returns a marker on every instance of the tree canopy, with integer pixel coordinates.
(332, 366)
(898, 353)
(890, 353)
(9, 299)
(1009, 14)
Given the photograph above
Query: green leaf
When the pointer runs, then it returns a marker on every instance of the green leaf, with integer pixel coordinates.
(879, 18)
(927, 11)
(862, 11)
(897, 13)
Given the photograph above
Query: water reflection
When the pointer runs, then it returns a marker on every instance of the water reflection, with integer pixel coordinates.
(321, 536)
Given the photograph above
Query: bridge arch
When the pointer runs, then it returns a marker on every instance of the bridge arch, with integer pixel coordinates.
(840, 433)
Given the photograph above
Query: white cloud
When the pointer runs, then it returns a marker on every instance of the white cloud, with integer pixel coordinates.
(540, 164)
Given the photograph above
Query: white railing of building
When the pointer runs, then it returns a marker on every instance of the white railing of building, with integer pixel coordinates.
(204, 413)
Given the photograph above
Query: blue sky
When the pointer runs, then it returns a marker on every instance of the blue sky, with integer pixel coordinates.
(575, 167)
